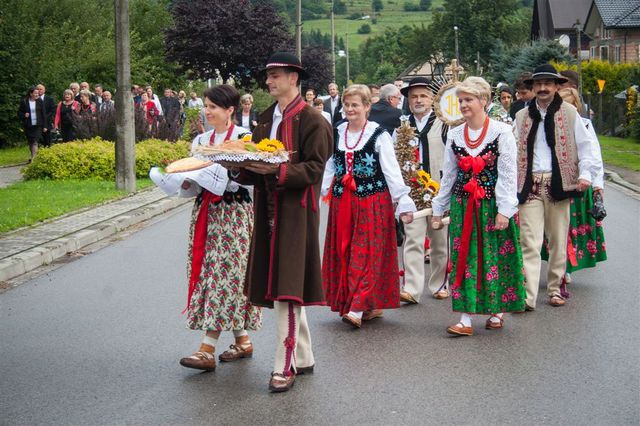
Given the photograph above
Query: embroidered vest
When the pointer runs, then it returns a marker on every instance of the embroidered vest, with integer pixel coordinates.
(367, 172)
(564, 156)
(487, 178)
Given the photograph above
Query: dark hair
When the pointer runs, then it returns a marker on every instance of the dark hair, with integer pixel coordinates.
(317, 102)
(31, 90)
(224, 96)
(572, 76)
(505, 89)
(373, 86)
(520, 82)
(312, 89)
(97, 85)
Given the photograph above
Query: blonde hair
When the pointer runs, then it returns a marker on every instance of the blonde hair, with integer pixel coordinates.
(571, 96)
(358, 90)
(476, 86)
(246, 97)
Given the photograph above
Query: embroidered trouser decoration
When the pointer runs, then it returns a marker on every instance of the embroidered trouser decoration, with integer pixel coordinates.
(293, 347)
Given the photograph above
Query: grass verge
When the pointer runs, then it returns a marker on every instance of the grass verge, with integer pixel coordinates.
(620, 152)
(14, 155)
(28, 202)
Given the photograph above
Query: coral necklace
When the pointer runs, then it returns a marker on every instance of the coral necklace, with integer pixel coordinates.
(212, 139)
(346, 139)
(474, 143)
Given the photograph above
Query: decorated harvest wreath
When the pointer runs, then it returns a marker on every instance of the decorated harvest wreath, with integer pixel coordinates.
(242, 152)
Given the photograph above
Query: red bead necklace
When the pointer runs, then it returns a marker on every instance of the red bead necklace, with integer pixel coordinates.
(474, 143)
(212, 139)
(346, 139)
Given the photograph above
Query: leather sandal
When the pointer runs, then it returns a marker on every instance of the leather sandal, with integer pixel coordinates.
(200, 361)
(556, 301)
(406, 297)
(236, 352)
(369, 315)
(356, 322)
(460, 330)
(491, 325)
(442, 294)
(281, 383)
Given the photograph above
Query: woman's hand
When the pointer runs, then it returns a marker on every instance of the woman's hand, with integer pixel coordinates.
(406, 218)
(583, 185)
(436, 222)
(501, 222)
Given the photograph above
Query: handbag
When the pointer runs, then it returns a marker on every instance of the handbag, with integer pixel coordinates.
(598, 211)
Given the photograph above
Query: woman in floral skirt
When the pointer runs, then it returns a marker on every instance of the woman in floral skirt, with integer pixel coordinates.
(479, 188)
(360, 264)
(219, 237)
(586, 245)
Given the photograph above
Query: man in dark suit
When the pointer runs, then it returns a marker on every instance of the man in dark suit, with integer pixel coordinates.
(171, 108)
(31, 115)
(385, 112)
(333, 104)
(49, 110)
(524, 93)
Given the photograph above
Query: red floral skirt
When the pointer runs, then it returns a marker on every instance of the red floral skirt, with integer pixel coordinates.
(371, 257)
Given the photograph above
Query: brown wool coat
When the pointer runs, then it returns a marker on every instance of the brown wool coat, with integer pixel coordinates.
(296, 258)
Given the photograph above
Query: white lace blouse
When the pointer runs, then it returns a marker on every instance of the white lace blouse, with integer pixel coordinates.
(506, 190)
(388, 163)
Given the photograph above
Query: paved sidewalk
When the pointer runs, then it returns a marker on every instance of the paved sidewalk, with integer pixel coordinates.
(25, 249)
(10, 175)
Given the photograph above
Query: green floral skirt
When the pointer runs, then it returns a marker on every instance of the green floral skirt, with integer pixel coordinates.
(497, 284)
(586, 237)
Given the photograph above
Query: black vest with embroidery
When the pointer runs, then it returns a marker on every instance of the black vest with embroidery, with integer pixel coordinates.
(367, 172)
(487, 178)
(423, 140)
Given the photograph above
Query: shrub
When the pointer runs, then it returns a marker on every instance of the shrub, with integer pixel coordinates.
(190, 129)
(355, 16)
(364, 29)
(411, 7)
(95, 159)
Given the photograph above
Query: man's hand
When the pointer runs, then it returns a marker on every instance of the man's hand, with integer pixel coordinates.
(501, 222)
(583, 185)
(45, 130)
(263, 168)
(436, 222)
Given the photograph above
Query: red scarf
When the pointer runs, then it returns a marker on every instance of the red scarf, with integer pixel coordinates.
(200, 235)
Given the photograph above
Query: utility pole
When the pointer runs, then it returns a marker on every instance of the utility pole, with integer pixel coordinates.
(578, 50)
(299, 31)
(346, 46)
(478, 62)
(125, 125)
(333, 44)
(455, 31)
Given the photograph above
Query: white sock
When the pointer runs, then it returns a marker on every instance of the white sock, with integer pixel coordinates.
(465, 319)
(209, 341)
(240, 333)
(355, 314)
(496, 318)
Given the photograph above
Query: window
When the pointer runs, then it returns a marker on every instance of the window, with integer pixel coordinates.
(605, 33)
(604, 53)
(592, 52)
(616, 54)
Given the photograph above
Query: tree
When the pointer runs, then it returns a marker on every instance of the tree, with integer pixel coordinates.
(481, 24)
(317, 61)
(377, 5)
(339, 7)
(211, 38)
(425, 4)
(364, 29)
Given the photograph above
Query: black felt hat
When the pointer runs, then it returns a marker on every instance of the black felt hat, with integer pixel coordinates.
(286, 60)
(546, 72)
(417, 82)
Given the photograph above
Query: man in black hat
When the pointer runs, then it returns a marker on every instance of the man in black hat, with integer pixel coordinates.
(284, 269)
(555, 164)
(430, 144)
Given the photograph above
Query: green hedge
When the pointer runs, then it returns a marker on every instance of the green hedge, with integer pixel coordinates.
(95, 159)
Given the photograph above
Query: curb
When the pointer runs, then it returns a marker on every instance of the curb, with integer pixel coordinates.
(28, 260)
(615, 178)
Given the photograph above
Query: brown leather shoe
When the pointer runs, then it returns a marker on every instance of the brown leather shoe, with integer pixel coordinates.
(407, 298)
(556, 301)
(369, 315)
(442, 294)
(281, 383)
(200, 361)
(236, 352)
(490, 325)
(460, 330)
(356, 322)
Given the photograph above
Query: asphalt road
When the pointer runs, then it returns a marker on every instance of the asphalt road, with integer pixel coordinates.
(97, 341)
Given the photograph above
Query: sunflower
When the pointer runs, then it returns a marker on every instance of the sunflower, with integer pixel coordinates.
(269, 145)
